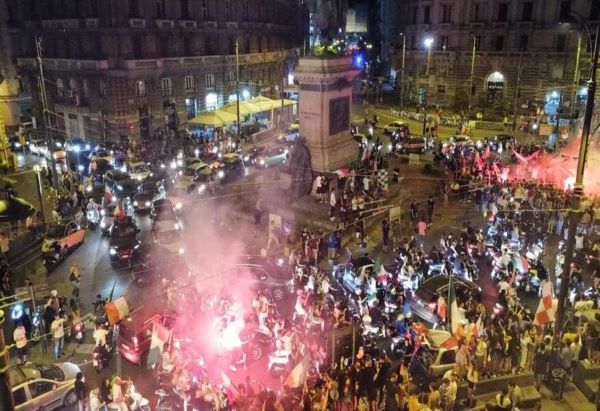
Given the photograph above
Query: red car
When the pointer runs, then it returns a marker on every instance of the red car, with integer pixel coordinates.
(135, 333)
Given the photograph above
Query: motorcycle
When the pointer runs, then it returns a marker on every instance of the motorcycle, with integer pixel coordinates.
(53, 257)
(101, 356)
(168, 400)
(93, 217)
(77, 332)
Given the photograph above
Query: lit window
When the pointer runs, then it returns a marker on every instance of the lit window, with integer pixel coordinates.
(211, 101)
(140, 88)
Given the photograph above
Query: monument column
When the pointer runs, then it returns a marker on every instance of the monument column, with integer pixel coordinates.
(324, 107)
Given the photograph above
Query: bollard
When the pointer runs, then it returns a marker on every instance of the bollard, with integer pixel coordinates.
(557, 381)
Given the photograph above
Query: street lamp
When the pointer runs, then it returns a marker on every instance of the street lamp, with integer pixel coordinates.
(472, 73)
(37, 169)
(428, 42)
(576, 212)
(403, 67)
(237, 84)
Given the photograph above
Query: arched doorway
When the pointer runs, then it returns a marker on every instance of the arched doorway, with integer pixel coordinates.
(494, 85)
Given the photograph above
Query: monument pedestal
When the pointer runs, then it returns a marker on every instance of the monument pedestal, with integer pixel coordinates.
(325, 100)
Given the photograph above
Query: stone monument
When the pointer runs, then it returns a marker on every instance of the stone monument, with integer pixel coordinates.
(324, 108)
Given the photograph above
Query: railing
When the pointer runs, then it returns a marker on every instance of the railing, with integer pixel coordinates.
(65, 64)
(61, 24)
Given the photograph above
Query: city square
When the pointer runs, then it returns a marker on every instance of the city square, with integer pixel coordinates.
(299, 205)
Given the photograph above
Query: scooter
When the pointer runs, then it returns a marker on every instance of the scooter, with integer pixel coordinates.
(93, 216)
(100, 356)
(78, 331)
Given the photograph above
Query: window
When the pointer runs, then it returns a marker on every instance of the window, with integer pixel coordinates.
(85, 87)
(523, 40)
(204, 9)
(185, 9)
(527, 11)
(159, 7)
(595, 11)
(188, 83)
(228, 14)
(40, 388)
(426, 15)
(73, 85)
(232, 78)
(19, 396)
(443, 43)
(103, 89)
(477, 43)
(245, 10)
(60, 87)
(414, 15)
(448, 357)
(140, 88)
(499, 43)
(502, 12)
(166, 86)
(134, 8)
(137, 46)
(477, 12)
(561, 42)
(565, 10)
(209, 81)
(187, 46)
(447, 13)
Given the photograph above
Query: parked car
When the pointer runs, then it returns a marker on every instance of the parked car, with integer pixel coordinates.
(146, 194)
(135, 333)
(273, 277)
(43, 386)
(397, 125)
(67, 234)
(272, 156)
(413, 145)
(424, 301)
(438, 356)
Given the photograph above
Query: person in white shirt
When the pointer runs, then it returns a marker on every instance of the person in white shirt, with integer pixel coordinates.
(58, 332)
(20, 338)
(96, 403)
(100, 334)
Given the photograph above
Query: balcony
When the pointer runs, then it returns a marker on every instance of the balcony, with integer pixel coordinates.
(92, 23)
(525, 24)
(191, 62)
(164, 24)
(231, 24)
(61, 24)
(188, 24)
(137, 23)
(209, 24)
(64, 64)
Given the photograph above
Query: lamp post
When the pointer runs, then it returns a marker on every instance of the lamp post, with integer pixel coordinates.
(37, 169)
(428, 42)
(403, 68)
(237, 84)
(472, 74)
(576, 75)
(576, 211)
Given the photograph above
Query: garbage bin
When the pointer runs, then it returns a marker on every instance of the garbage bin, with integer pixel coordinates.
(557, 381)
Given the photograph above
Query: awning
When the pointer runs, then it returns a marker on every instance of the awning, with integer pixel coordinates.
(215, 118)
(246, 108)
(14, 209)
(266, 104)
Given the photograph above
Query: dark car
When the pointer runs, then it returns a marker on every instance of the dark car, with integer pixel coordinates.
(114, 177)
(78, 145)
(95, 191)
(424, 302)
(233, 167)
(272, 156)
(123, 243)
(126, 188)
(15, 144)
(163, 205)
(147, 193)
(135, 333)
(250, 156)
(272, 276)
(413, 145)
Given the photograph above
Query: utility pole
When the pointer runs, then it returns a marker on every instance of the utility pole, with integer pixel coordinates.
(6, 398)
(46, 116)
(576, 211)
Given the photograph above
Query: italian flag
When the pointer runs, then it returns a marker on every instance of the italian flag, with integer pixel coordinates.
(547, 307)
(380, 273)
(299, 374)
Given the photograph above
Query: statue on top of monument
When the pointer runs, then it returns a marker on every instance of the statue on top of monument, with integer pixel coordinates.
(329, 17)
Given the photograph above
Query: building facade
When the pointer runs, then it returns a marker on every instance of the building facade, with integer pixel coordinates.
(129, 67)
(495, 54)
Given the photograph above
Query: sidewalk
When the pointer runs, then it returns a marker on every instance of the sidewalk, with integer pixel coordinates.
(572, 400)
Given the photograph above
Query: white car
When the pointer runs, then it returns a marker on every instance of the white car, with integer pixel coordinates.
(167, 234)
(38, 147)
(198, 172)
(394, 126)
(138, 170)
(58, 152)
(43, 386)
(184, 192)
(108, 218)
(101, 154)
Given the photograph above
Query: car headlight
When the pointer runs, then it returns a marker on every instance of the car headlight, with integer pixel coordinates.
(135, 203)
(102, 212)
(76, 149)
(246, 158)
(147, 203)
(221, 174)
(176, 226)
(17, 144)
(87, 146)
(136, 247)
(173, 165)
(89, 189)
(181, 251)
(58, 144)
(178, 206)
(180, 163)
(261, 162)
(102, 224)
(120, 187)
(112, 251)
(201, 188)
